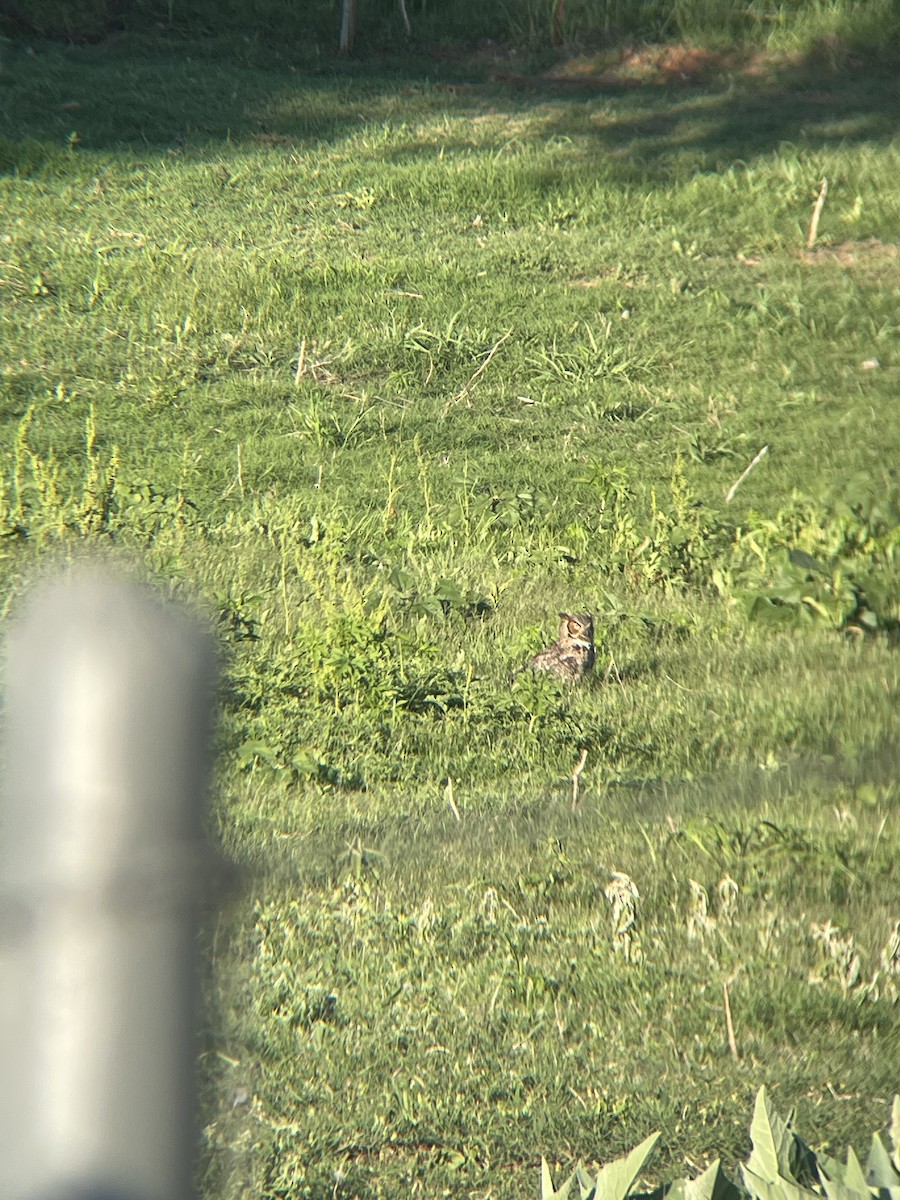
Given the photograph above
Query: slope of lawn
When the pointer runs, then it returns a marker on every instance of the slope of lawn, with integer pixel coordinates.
(382, 371)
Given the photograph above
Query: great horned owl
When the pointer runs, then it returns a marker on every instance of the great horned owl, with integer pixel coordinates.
(572, 654)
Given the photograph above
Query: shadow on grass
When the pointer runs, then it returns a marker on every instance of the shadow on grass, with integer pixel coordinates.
(714, 128)
(116, 95)
(646, 133)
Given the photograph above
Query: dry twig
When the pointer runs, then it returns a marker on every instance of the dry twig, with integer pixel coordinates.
(729, 1025)
(816, 213)
(737, 483)
(448, 792)
(301, 363)
(480, 371)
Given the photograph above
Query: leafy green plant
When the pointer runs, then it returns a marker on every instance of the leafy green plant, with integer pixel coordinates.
(679, 539)
(327, 426)
(613, 1181)
(444, 598)
(781, 1166)
(40, 505)
(44, 503)
(836, 562)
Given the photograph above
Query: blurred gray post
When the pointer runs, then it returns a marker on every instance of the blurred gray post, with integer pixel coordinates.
(348, 25)
(102, 862)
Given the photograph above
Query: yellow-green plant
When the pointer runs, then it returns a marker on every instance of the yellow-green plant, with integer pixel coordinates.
(781, 1166)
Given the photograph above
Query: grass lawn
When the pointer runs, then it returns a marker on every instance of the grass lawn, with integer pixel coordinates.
(381, 369)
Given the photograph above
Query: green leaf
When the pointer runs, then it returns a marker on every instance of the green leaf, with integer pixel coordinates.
(853, 1175)
(880, 1170)
(249, 751)
(772, 1140)
(401, 580)
(778, 1188)
(713, 1184)
(779, 1157)
(426, 606)
(846, 1183)
(614, 1181)
(868, 619)
(817, 607)
(801, 559)
(835, 1189)
(305, 763)
(895, 1132)
(448, 589)
(766, 611)
(547, 1192)
(585, 1183)
(828, 1166)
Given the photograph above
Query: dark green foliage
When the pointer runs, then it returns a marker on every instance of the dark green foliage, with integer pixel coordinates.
(830, 30)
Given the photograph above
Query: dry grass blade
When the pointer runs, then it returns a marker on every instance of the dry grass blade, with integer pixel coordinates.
(480, 371)
(448, 792)
(301, 363)
(729, 1024)
(737, 483)
(816, 214)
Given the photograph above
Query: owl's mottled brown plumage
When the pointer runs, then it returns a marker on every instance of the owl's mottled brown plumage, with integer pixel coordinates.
(571, 656)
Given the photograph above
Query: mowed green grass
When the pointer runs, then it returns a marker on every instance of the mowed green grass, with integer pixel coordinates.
(380, 372)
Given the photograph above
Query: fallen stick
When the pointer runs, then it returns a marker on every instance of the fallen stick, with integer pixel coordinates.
(301, 363)
(737, 483)
(729, 1025)
(448, 792)
(816, 213)
(493, 350)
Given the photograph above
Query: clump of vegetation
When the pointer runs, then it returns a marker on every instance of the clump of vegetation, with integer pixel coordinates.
(834, 562)
(780, 1164)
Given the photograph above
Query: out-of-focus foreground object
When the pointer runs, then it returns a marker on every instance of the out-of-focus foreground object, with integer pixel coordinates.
(109, 698)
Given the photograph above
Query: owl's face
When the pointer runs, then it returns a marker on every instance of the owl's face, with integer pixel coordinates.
(577, 630)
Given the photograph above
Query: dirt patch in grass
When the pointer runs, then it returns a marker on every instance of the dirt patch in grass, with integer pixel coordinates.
(871, 253)
(676, 64)
(871, 259)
